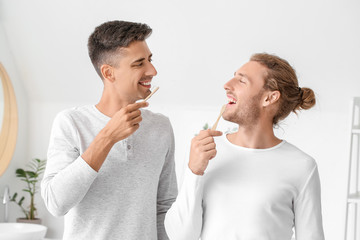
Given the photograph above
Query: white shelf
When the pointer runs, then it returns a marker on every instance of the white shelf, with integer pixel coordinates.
(354, 198)
(355, 130)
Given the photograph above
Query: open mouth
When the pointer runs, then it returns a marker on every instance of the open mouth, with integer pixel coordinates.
(146, 84)
(231, 100)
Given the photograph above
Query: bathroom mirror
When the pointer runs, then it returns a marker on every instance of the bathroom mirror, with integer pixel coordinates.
(8, 120)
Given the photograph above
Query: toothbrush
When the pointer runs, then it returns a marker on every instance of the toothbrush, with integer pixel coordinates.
(217, 120)
(147, 98)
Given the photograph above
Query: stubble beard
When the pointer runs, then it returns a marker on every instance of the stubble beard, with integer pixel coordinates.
(246, 114)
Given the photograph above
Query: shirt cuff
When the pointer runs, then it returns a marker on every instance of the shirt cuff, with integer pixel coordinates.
(192, 178)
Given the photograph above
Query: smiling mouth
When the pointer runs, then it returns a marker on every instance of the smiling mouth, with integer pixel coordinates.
(231, 100)
(146, 84)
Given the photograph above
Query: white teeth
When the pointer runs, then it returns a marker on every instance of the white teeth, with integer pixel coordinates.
(231, 100)
(145, 83)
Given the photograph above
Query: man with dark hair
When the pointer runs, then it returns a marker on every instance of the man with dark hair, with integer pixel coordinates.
(258, 186)
(110, 168)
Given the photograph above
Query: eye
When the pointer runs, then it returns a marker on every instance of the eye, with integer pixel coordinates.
(150, 60)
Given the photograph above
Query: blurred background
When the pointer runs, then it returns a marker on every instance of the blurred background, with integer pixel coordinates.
(196, 46)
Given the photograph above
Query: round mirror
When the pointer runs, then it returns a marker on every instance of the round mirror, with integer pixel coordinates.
(8, 120)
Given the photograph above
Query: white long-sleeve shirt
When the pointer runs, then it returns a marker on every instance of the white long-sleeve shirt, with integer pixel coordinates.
(249, 194)
(128, 197)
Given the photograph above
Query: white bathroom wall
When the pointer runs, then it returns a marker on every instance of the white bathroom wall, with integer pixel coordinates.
(197, 45)
(20, 154)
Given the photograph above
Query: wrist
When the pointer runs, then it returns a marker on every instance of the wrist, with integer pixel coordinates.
(98, 150)
(196, 171)
(106, 137)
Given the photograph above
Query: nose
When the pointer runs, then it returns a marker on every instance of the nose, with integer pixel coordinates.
(229, 85)
(151, 70)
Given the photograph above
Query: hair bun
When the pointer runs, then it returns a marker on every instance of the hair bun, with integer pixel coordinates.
(307, 98)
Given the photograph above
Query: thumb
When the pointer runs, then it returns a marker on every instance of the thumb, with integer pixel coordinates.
(215, 133)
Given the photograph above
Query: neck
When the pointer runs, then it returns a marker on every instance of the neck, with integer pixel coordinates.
(258, 136)
(109, 104)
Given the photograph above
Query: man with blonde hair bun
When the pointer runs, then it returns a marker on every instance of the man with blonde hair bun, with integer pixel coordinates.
(257, 186)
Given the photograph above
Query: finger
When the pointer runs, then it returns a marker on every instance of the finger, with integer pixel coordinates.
(206, 140)
(209, 147)
(211, 154)
(203, 134)
(132, 129)
(136, 120)
(198, 143)
(134, 114)
(214, 133)
(135, 106)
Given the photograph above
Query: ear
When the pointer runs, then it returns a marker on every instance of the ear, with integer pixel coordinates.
(107, 72)
(271, 97)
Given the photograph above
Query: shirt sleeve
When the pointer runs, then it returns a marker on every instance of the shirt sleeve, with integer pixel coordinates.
(167, 189)
(67, 176)
(183, 221)
(307, 208)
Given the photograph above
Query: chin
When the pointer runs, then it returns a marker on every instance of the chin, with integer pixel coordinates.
(231, 117)
(227, 117)
(143, 96)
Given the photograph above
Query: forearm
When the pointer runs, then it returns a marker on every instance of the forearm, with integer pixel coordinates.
(98, 150)
(307, 207)
(183, 221)
(67, 181)
(63, 190)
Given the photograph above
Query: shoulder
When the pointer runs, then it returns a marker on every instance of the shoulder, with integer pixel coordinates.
(71, 115)
(155, 119)
(73, 112)
(156, 126)
(303, 161)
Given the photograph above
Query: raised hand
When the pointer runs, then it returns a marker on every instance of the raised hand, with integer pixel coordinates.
(125, 122)
(203, 149)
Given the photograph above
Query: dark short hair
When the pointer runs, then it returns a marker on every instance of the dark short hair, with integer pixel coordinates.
(109, 37)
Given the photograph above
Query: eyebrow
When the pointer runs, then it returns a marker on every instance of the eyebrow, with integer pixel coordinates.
(140, 59)
(242, 75)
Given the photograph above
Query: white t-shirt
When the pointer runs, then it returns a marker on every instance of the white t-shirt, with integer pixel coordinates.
(249, 194)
